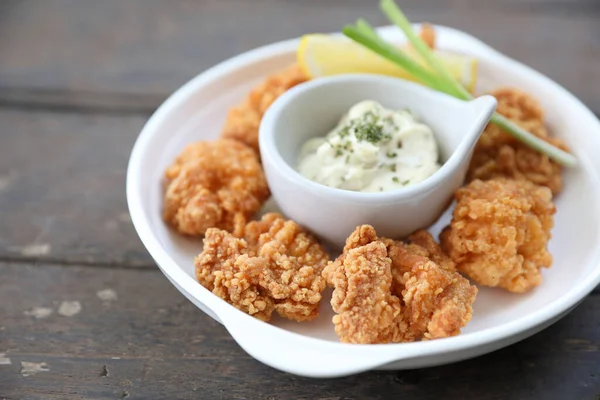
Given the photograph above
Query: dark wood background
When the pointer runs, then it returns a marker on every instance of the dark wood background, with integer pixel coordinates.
(77, 81)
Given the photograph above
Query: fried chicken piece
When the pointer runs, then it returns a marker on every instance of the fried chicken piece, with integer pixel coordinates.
(499, 233)
(437, 301)
(367, 311)
(216, 184)
(387, 291)
(223, 268)
(243, 120)
(274, 266)
(498, 154)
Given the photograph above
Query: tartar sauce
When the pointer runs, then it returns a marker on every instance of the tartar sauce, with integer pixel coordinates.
(372, 149)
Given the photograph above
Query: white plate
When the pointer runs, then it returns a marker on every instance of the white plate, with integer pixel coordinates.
(197, 111)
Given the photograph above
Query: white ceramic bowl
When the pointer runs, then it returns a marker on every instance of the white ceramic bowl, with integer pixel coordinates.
(197, 111)
(314, 108)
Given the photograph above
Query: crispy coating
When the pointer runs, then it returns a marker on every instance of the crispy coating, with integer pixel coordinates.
(243, 120)
(367, 311)
(216, 184)
(223, 268)
(499, 233)
(421, 243)
(387, 291)
(498, 154)
(437, 301)
(274, 266)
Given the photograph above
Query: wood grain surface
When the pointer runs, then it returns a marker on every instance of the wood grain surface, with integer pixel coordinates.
(78, 291)
(62, 191)
(145, 49)
(151, 343)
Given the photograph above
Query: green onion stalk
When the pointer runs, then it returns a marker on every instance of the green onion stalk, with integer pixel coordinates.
(437, 76)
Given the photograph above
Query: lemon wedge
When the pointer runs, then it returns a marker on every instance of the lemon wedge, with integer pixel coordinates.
(324, 55)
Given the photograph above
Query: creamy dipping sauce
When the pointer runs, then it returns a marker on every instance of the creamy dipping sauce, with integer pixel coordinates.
(372, 149)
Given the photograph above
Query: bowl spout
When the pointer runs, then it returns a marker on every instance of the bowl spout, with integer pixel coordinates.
(469, 121)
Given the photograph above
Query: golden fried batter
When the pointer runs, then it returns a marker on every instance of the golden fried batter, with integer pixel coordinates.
(216, 184)
(387, 291)
(498, 154)
(437, 301)
(499, 232)
(275, 266)
(421, 243)
(367, 311)
(243, 120)
(223, 268)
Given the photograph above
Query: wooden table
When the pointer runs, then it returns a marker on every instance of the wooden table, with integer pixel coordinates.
(77, 81)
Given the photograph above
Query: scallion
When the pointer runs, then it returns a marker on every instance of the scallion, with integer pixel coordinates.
(438, 77)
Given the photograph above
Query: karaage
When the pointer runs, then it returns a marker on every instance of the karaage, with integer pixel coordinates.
(215, 184)
(243, 120)
(498, 154)
(274, 266)
(499, 233)
(387, 291)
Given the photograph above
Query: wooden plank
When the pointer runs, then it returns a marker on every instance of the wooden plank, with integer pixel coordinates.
(148, 48)
(65, 100)
(62, 188)
(160, 346)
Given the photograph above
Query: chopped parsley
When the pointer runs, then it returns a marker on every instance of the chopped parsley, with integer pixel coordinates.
(406, 182)
(393, 167)
(345, 131)
(369, 131)
(339, 152)
(395, 179)
(391, 155)
(347, 159)
(367, 128)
